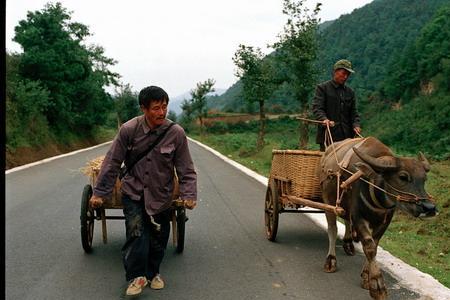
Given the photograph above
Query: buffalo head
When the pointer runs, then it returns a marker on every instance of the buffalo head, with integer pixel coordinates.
(404, 180)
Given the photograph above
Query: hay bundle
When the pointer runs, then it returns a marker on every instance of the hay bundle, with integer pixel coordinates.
(92, 169)
(93, 166)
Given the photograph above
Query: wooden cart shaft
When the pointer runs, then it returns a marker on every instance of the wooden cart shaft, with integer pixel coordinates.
(339, 211)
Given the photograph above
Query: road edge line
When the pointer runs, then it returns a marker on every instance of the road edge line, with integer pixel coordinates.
(406, 275)
(46, 160)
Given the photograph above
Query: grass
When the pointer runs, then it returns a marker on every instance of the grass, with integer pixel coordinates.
(424, 244)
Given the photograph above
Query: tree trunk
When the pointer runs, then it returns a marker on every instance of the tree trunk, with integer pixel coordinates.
(119, 123)
(201, 124)
(262, 126)
(303, 132)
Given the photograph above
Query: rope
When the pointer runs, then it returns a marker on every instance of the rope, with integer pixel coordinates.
(409, 196)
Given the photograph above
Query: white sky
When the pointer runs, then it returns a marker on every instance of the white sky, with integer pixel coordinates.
(175, 43)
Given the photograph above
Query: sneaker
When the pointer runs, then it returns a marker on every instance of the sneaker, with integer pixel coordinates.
(157, 282)
(136, 285)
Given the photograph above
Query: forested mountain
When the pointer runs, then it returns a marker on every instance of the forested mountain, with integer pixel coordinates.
(373, 37)
(401, 53)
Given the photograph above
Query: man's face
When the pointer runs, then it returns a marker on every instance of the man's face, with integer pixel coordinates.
(155, 113)
(341, 76)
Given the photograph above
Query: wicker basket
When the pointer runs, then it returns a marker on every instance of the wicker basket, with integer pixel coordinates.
(298, 166)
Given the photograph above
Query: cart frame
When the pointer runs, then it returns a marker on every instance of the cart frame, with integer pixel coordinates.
(293, 187)
(89, 215)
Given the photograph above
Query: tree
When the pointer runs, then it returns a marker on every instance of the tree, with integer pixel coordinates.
(126, 104)
(171, 115)
(198, 99)
(296, 52)
(255, 73)
(74, 74)
(26, 101)
(187, 114)
(425, 61)
(433, 49)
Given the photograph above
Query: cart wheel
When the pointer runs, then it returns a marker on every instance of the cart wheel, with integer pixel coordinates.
(87, 219)
(271, 209)
(181, 226)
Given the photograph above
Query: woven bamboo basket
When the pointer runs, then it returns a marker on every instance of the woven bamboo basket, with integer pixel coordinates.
(298, 166)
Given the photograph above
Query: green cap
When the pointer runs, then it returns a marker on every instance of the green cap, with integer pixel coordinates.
(343, 64)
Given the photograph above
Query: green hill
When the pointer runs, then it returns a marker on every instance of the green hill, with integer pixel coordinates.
(400, 51)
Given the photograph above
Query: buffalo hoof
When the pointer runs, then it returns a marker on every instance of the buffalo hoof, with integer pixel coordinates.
(377, 288)
(365, 280)
(349, 248)
(330, 264)
(355, 236)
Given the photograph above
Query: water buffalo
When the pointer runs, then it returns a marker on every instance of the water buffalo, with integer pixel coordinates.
(370, 202)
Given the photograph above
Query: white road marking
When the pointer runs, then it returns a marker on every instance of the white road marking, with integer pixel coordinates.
(52, 158)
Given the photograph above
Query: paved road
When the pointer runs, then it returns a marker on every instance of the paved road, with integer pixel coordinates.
(226, 254)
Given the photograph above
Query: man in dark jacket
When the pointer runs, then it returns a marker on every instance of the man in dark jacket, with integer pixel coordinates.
(335, 105)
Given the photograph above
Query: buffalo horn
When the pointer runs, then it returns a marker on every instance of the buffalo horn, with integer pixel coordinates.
(424, 160)
(380, 163)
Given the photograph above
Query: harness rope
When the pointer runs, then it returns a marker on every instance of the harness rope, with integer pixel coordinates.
(406, 197)
(401, 196)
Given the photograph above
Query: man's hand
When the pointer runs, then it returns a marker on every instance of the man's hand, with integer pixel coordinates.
(95, 201)
(357, 130)
(190, 204)
(328, 122)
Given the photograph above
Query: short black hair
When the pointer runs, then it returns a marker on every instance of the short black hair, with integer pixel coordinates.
(152, 93)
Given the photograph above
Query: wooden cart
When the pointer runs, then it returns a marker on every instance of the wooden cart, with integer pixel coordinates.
(293, 186)
(88, 215)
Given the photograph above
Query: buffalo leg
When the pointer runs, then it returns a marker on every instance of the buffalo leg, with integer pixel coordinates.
(365, 275)
(348, 246)
(330, 262)
(377, 287)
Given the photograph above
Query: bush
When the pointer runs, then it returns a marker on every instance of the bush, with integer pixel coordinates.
(421, 125)
(217, 127)
(25, 123)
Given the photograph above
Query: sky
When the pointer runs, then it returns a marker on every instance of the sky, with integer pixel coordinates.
(175, 44)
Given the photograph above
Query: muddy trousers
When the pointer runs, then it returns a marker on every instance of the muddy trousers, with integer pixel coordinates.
(144, 248)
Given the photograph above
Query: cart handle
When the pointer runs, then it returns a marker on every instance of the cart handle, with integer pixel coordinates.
(309, 120)
(315, 121)
(178, 203)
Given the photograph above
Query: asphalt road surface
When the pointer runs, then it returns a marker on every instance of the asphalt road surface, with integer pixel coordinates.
(226, 256)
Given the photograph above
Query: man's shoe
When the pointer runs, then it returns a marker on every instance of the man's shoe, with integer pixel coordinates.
(136, 285)
(157, 282)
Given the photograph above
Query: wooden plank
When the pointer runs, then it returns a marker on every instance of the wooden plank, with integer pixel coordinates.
(339, 211)
(298, 152)
(284, 179)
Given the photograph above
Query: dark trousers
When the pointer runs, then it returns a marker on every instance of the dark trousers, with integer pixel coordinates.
(144, 248)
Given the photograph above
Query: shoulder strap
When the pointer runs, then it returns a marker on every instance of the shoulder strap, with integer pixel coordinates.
(141, 155)
(130, 141)
(131, 138)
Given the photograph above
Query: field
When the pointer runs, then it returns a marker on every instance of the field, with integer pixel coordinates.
(422, 243)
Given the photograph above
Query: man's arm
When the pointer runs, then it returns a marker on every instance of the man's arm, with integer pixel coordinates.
(356, 120)
(187, 177)
(318, 107)
(318, 104)
(110, 168)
